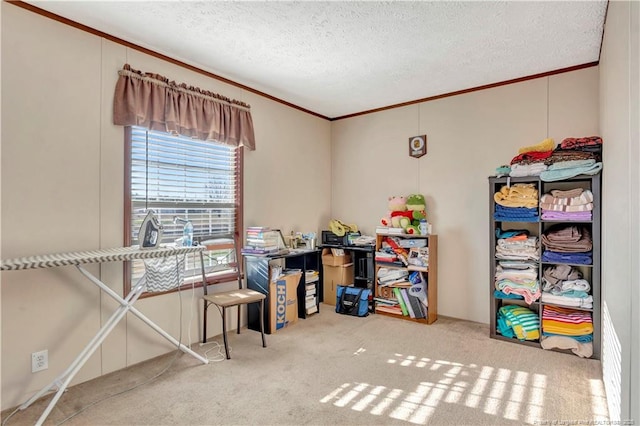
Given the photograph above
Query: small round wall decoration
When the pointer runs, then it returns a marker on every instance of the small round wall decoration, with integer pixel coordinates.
(418, 146)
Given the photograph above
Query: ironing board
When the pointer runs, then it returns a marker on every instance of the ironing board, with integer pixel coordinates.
(79, 258)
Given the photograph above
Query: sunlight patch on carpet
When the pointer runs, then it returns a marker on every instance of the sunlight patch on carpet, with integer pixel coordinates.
(500, 392)
(598, 400)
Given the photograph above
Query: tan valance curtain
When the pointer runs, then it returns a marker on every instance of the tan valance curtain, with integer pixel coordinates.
(152, 101)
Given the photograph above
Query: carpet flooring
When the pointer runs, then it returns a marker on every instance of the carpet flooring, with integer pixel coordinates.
(331, 369)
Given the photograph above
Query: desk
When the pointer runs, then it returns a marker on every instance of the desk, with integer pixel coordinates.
(77, 259)
(258, 275)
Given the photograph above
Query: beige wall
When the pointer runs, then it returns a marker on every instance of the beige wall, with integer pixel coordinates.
(57, 83)
(62, 180)
(468, 137)
(619, 118)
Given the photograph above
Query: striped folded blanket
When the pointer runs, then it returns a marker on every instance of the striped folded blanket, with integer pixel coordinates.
(565, 321)
(518, 321)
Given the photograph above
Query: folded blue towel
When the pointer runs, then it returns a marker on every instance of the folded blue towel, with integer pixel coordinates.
(565, 173)
(506, 218)
(571, 164)
(515, 214)
(510, 233)
(502, 295)
(585, 338)
(581, 258)
(516, 210)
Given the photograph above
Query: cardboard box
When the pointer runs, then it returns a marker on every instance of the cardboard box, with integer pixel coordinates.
(332, 276)
(283, 301)
(330, 259)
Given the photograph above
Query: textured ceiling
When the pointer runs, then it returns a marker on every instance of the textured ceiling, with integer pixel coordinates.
(340, 58)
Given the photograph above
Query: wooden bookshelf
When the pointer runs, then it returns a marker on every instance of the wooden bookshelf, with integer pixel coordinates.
(430, 273)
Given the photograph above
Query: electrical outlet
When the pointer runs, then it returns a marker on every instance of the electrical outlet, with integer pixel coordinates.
(39, 361)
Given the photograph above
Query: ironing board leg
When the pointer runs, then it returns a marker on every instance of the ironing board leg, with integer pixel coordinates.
(140, 315)
(65, 378)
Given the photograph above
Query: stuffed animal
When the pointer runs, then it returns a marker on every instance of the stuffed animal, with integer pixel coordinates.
(406, 213)
(409, 218)
(395, 204)
(416, 202)
(416, 205)
(412, 230)
(418, 215)
(340, 228)
(397, 216)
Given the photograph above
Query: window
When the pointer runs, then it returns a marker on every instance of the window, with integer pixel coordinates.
(178, 176)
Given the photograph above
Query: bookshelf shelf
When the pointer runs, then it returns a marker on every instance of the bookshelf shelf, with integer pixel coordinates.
(428, 274)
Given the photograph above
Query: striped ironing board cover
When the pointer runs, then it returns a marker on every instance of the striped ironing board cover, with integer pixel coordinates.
(93, 256)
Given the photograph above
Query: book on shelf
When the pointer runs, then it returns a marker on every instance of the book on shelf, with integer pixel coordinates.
(390, 309)
(263, 240)
(312, 309)
(257, 229)
(408, 243)
(311, 276)
(391, 274)
(257, 251)
(407, 304)
(389, 230)
(401, 284)
(414, 305)
(419, 257)
(385, 301)
(262, 237)
(403, 307)
(383, 254)
(382, 230)
(396, 262)
(260, 246)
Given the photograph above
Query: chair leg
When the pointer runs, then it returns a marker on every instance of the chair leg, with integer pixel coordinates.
(239, 308)
(224, 331)
(204, 324)
(264, 342)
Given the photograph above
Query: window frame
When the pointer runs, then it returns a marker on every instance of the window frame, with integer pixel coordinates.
(218, 278)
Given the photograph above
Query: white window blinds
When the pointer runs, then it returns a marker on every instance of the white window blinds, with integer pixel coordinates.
(179, 176)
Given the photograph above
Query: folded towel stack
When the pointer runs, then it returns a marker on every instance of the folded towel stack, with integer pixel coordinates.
(564, 285)
(567, 244)
(575, 204)
(518, 321)
(565, 328)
